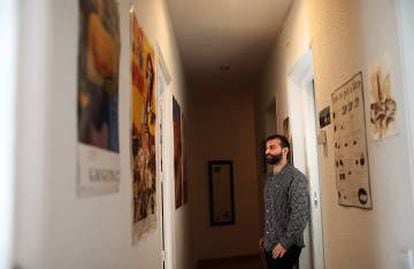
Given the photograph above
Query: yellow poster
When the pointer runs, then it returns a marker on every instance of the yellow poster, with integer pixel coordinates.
(142, 130)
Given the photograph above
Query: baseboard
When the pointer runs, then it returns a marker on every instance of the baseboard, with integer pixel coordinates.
(221, 260)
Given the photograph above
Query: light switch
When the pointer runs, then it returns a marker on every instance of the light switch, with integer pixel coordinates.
(407, 258)
(321, 138)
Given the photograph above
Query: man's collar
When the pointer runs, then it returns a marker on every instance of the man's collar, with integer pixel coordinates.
(284, 170)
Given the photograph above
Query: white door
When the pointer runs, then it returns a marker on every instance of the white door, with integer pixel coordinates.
(302, 111)
(160, 170)
(163, 113)
(405, 9)
(312, 169)
(406, 33)
(8, 85)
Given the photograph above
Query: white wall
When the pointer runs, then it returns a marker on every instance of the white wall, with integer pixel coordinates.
(223, 129)
(8, 81)
(406, 39)
(347, 38)
(54, 228)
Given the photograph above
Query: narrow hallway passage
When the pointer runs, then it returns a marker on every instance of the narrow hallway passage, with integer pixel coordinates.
(133, 132)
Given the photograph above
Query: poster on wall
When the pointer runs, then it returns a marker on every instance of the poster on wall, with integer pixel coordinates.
(178, 157)
(383, 106)
(98, 85)
(143, 126)
(351, 158)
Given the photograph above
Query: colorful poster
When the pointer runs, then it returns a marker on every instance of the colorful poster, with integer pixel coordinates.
(178, 158)
(383, 106)
(351, 155)
(98, 83)
(143, 131)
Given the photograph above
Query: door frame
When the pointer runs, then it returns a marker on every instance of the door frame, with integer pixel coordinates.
(299, 81)
(405, 25)
(8, 87)
(164, 125)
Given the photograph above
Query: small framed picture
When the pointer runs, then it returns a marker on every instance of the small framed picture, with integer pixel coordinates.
(221, 190)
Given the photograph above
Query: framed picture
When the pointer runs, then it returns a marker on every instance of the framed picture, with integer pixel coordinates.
(221, 190)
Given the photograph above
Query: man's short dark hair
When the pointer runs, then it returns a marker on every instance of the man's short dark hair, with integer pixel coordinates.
(284, 142)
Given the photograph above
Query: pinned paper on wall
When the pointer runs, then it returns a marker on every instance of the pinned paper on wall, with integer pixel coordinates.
(383, 105)
(98, 83)
(351, 154)
(143, 127)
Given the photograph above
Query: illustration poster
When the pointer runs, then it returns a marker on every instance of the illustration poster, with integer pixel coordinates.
(142, 131)
(178, 160)
(98, 85)
(383, 104)
(351, 158)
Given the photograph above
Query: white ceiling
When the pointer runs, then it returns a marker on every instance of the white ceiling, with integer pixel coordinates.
(239, 33)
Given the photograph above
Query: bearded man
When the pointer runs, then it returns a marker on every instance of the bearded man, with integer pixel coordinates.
(287, 207)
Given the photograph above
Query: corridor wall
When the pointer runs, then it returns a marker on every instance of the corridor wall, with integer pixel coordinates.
(364, 32)
(54, 228)
(223, 129)
(347, 37)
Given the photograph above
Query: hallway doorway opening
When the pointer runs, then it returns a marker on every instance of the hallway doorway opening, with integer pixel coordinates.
(270, 119)
(302, 92)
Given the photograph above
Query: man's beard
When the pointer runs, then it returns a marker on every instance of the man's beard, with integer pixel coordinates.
(273, 159)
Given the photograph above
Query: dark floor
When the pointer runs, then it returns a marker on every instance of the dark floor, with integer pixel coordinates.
(243, 262)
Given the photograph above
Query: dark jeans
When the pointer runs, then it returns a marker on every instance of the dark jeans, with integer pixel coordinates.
(287, 261)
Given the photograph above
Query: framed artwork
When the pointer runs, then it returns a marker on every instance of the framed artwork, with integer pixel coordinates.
(221, 190)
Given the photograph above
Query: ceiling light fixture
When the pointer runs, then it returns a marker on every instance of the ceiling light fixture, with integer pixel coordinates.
(225, 67)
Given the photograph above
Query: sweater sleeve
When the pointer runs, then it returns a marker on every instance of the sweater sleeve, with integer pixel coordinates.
(300, 211)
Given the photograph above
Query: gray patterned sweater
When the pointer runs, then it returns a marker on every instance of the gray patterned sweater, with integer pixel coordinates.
(287, 208)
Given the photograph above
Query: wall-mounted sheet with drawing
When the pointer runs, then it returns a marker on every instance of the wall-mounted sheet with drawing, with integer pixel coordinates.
(383, 105)
(351, 158)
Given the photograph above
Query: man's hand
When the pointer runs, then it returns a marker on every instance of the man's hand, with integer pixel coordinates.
(278, 251)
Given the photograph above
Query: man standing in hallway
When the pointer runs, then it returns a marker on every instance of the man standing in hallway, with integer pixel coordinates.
(287, 211)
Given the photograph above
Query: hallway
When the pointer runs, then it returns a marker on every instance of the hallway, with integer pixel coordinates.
(133, 131)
